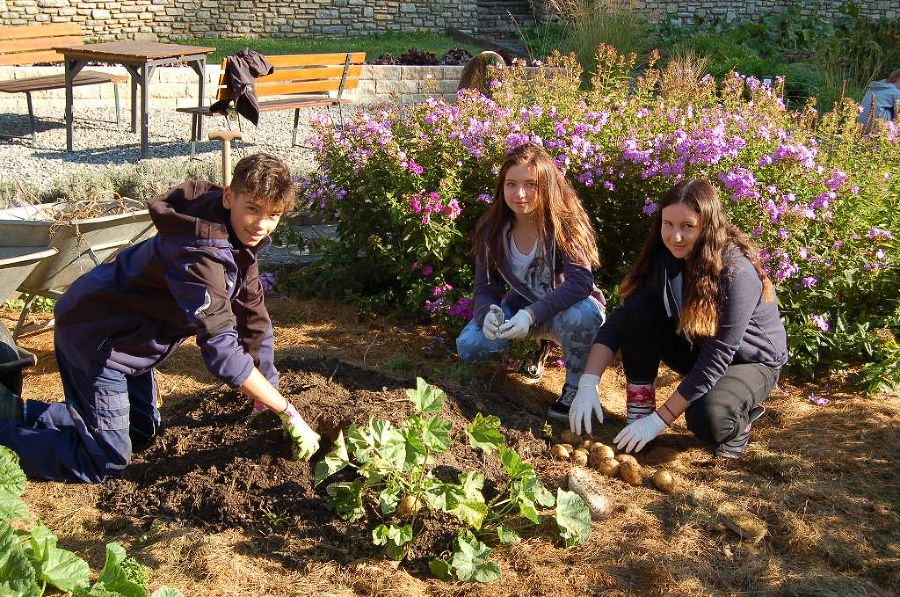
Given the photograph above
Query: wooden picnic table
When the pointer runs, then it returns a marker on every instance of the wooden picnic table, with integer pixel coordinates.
(140, 59)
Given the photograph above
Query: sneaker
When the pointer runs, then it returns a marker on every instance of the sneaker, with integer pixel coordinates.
(736, 446)
(532, 368)
(559, 411)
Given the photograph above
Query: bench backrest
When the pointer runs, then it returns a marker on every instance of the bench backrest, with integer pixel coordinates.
(305, 74)
(30, 44)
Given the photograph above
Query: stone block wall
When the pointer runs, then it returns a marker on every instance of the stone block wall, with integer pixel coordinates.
(689, 11)
(171, 19)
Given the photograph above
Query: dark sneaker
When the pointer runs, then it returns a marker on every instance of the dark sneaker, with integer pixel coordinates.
(532, 368)
(559, 411)
(10, 405)
(736, 446)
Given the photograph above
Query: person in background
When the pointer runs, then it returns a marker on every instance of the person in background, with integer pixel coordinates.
(198, 276)
(880, 99)
(534, 254)
(698, 299)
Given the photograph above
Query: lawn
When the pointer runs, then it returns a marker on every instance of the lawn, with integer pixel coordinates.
(372, 45)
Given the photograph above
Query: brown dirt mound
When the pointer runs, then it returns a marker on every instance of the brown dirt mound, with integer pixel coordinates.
(216, 468)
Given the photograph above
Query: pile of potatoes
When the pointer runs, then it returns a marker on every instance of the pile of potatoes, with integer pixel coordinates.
(586, 452)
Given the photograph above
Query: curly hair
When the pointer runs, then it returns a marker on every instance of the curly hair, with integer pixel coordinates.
(704, 266)
(267, 179)
(559, 214)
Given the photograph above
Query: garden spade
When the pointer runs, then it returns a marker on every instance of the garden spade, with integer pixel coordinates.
(225, 137)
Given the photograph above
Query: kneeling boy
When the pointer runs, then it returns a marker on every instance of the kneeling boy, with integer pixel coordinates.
(198, 276)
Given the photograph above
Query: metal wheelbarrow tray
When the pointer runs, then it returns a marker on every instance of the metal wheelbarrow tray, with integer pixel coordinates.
(80, 242)
(15, 265)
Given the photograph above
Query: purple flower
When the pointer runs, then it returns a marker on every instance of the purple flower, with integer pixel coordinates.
(649, 207)
(819, 400)
(484, 198)
(809, 282)
(877, 232)
(836, 180)
(820, 322)
(427, 270)
(268, 281)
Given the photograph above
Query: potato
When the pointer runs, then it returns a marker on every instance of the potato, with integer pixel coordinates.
(630, 472)
(600, 451)
(567, 437)
(608, 466)
(627, 458)
(580, 457)
(408, 506)
(567, 447)
(586, 444)
(559, 452)
(663, 481)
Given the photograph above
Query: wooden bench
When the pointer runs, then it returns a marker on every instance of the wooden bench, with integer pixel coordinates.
(33, 44)
(299, 81)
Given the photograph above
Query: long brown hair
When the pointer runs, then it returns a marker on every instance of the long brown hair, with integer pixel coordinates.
(558, 212)
(704, 266)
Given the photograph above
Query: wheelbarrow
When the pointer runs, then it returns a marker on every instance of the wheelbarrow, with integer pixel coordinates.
(80, 243)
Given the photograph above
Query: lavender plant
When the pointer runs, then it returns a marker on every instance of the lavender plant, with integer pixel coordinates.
(821, 198)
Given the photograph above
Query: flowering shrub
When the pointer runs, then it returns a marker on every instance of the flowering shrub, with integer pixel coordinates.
(407, 184)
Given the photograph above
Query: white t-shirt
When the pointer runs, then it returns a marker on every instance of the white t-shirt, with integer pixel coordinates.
(529, 269)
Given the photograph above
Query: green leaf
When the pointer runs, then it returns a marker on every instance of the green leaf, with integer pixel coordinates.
(528, 509)
(484, 433)
(389, 443)
(388, 499)
(472, 484)
(534, 489)
(470, 511)
(573, 518)
(436, 434)
(394, 538)
(66, 571)
(114, 576)
(337, 459)
(17, 576)
(347, 499)
(426, 398)
(443, 496)
(12, 486)
(440, 568)
(513, 464)
(471, 561)
(507, 536)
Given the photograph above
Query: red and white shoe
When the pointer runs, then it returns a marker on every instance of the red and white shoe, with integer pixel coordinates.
(640, 400)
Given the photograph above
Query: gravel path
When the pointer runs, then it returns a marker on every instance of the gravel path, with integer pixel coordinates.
(99, 141)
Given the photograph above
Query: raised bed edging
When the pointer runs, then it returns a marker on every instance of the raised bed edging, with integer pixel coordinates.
(177, 86)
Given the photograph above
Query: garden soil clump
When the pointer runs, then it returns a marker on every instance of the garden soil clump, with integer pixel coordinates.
(215, 467)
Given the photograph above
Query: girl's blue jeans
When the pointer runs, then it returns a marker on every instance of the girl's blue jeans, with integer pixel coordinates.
(573, 329)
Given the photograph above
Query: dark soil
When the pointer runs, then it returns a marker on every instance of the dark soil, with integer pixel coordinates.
(215, 468)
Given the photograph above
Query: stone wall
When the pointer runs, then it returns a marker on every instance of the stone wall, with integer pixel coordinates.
(177, 86)
(689, 11)
(170, 19)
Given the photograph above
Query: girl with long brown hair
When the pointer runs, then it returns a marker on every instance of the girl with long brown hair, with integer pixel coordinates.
(534, 254)
(698, 299)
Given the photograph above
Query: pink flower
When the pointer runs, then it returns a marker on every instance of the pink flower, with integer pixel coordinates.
(427, 270)
(820, 322)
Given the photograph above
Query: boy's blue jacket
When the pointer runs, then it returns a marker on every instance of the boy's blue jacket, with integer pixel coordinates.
(193, 278)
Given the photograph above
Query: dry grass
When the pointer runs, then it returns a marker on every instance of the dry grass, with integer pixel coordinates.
(822, 479)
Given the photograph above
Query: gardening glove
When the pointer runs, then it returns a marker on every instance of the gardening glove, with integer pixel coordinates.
(492, 322)
(516, 326)
(636, 435)
(585, 405)
(258, 409)
(305, 440)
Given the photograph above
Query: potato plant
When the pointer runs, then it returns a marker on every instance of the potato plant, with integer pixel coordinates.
(394, 482)
(30, 559)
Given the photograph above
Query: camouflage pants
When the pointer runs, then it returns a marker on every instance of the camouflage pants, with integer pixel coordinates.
(573, 330)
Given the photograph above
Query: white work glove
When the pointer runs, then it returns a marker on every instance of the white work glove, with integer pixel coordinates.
(492, 322)
(305, 441)
(585, 405)
(636, 435)
(516, 326)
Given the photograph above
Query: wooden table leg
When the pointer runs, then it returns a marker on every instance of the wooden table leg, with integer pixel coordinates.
(73, 67)
(146, 71)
